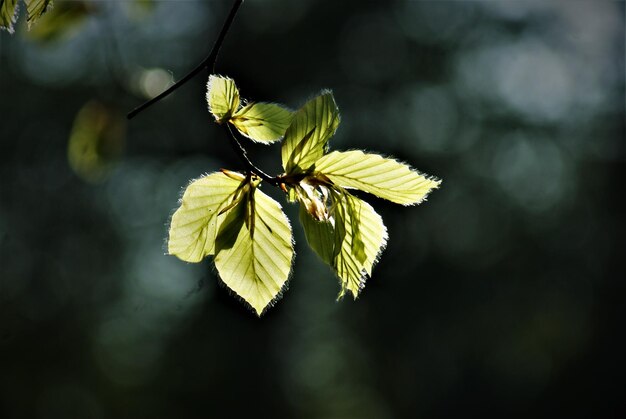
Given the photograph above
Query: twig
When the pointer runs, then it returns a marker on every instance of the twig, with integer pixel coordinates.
(243, 155)
(209, 61)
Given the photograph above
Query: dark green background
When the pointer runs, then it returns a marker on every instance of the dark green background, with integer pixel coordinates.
(503, 295)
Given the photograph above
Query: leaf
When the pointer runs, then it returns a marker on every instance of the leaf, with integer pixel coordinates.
(254, 250)
(8, 14)
(385, 178)
(262, 122)
(364, 238)
(223, 97)
(195, 223)
(62, 21)
(319, 235)
(96, 141)
(352, 244)
(307, 137)
(36, 9)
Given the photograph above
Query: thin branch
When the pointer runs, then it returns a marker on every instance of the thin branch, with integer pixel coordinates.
(243, 155)
(209, 62)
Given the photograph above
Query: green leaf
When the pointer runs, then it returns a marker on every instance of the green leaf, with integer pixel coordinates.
(385, 178)
(350, 243)
(360, 238)
(223, 97)
(36, 9)
(8, 14)
(319, 235)
(262, 122)
(307, 137)
(195, 223)
(62, 21)
(254, 250)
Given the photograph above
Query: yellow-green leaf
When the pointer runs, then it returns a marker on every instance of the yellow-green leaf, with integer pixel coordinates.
(262, 122)
(8, 14)
(350, 242)
(195, 223)
(223, 97)
(63, 21)
(254, 250)
(383, 177)
(36, 9)
(319, 235)
(307, 137)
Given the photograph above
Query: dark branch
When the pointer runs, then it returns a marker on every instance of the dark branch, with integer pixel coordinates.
(209, 62)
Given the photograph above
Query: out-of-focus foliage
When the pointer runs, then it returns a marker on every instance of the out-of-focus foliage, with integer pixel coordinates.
(96, 141)
(34, 10)
(8, 14)
(63, 20)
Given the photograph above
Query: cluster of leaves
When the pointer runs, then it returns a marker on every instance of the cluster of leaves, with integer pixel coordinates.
(224, 214)
(9, 9)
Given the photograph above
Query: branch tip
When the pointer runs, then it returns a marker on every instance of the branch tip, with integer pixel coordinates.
(208, 62)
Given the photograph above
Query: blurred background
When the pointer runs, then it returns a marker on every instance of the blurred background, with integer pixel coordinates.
(503, 295)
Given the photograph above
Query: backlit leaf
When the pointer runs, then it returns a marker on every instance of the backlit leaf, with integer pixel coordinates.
(262, 122)
(195, 223)
(223, 97)
(350, 242)
(8, 14)
(319, 235)
(307, 137)
(385, 178)
(36, 9)
(62, 21)
(254, 250)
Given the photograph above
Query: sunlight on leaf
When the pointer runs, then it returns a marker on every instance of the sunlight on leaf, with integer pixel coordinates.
(225, 214)
(195, 223)
(61, 21)
(319, 235)
(36, 9)
(307, 137)
(383, 177)
(223, 97)
(96, 141)
(8, 14)
(356, 235)
(254, 250)
(262, 122)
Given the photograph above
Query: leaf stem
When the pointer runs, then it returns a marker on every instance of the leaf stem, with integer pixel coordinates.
(243, 155)
(209, 61)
